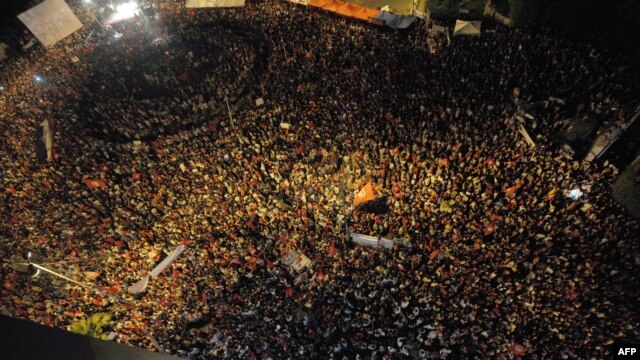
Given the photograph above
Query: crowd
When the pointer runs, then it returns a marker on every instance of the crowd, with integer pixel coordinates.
(181, 79)
(496, 260)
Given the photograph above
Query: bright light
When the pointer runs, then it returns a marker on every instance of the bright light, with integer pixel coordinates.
(117, 35)
(575, 194)
(37, 78)
(125, 11)
(87, 1)
(1, 88)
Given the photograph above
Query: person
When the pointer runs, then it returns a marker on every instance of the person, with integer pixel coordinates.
(433, 134)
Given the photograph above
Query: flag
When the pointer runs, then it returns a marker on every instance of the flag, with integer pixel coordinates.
(95, 183)
(489, 229)
(518, 350)
(552, 194)
(332, 249)
(364, 195)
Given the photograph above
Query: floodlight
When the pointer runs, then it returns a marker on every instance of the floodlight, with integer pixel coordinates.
(126, 10)
(575, 194)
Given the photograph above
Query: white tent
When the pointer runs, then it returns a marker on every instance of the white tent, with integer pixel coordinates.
(467, 28)
(50, 21)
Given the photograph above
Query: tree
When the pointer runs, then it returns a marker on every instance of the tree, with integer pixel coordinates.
(92, 326)
(443, 8)
(525, 12)
(613, 24)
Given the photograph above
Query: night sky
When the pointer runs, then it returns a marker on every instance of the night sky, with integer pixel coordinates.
(10, 8)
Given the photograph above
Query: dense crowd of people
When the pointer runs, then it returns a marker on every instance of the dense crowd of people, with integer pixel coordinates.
(495, 259)
(181, 79)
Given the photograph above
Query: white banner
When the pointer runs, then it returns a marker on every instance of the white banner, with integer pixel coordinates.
(50, 21)
(370, 241)
(526, 136)
(141, 285)
(167, 261)
(214, 3)
(298, 261)
(47, 137)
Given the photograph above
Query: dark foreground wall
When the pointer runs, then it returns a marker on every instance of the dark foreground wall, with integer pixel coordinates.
(626, 190)
(26, 340)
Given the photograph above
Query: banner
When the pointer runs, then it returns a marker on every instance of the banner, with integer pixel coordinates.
(526, 136)
(370, 241)
(364, 195)
(50, 21)
(167, 261)
(95, 183)
(141, 285)
(47, 138)
(214, 3)
(297, 261)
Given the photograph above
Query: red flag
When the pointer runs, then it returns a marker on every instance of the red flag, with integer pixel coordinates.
(332, 250)
(95, 183)
(489, 229)
(518, 350)
(114, 289)
(364, 195)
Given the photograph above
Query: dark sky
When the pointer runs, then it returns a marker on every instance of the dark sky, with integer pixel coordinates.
(10, 8)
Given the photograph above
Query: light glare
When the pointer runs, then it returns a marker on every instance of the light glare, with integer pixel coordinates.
(575, 194)
(126, 10)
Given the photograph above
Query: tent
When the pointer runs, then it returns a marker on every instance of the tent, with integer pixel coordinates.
(396, 22)
(467, 28)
